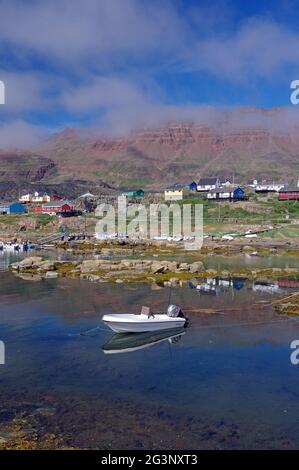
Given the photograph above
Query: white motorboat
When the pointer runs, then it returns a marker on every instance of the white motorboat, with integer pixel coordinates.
(146, 321)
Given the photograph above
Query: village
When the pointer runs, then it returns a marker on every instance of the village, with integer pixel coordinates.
(230, 210)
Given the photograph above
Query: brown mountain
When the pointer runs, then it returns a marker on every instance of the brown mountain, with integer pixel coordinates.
(174, 153)
(153, 158)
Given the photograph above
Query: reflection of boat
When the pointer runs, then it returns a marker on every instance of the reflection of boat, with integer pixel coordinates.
(146, 321)
(122, 343)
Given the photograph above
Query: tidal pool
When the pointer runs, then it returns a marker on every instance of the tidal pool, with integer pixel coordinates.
(226, 382)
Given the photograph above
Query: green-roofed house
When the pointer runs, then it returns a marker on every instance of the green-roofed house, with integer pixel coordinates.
(136, 193)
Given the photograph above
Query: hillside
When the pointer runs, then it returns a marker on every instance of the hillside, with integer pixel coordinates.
(179, 152)
(174, 153)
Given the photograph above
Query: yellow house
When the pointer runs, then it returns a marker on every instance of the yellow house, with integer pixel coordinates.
(38, 198)
(46, 198)
(175, 194)
(25, 198)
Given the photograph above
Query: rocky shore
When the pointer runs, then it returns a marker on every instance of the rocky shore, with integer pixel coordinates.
(288, 305)
(137, 270)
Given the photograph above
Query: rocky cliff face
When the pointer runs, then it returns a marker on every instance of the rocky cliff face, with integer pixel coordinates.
(28, 167)
(177, 152)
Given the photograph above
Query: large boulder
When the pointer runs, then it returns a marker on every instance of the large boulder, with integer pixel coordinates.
(30, 262)
(196, 267)
(163, 266)
(157, 268)
(183, 267)
(47, 265)
(91, 265)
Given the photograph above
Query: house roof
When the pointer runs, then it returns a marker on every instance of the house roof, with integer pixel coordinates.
(8, 204)
(135, 190)
(226, 190)
(177, 186)
(222, 190)
(57, 203)
(88, 194)
(289, 190)
(224, 180)
(206, 181)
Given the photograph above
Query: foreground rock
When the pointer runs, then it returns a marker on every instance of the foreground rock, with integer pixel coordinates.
(138, 270)
(288, 305)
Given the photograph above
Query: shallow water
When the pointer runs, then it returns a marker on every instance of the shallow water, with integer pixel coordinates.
(227, 382)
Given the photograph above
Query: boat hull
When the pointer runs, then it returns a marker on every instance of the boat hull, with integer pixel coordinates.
(122, 326)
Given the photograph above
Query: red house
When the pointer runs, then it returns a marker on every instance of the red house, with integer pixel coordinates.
(55, 207)
(288, 194)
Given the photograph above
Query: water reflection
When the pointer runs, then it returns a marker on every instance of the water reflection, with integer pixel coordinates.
(227, 382)
(122, 343)
(218, 286)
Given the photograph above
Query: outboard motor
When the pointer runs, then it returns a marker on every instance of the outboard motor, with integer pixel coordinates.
(176, 311)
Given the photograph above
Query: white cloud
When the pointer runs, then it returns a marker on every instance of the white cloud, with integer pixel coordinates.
(75, 30)
(105, 55)
(103, 91)
(259, 49)
(20, 134)
(24, 91)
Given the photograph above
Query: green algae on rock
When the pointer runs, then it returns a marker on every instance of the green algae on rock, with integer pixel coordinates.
(140, 270)
(288, 305)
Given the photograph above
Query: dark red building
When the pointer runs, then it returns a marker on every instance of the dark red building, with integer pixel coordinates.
(55, 207)
(288, 194)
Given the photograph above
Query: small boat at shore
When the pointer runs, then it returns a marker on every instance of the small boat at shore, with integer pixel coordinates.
(146, 321)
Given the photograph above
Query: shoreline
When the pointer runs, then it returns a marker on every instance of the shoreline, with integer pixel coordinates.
(128, 270)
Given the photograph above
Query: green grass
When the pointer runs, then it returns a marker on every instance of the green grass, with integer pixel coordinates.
(10, 218)
(289, 231)
(44, 219)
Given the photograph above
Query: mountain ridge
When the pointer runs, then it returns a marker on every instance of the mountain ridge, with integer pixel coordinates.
(153, 158)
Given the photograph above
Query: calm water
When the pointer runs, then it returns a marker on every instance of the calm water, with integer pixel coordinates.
(226, 382)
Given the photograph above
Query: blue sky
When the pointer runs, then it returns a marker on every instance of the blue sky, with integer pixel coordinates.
(114, 65)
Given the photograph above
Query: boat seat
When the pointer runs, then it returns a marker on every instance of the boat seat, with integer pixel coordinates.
(146, 311)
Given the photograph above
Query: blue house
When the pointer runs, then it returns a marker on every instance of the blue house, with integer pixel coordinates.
(193, 186)
(239, 193)
(13, 208)
(230, 194)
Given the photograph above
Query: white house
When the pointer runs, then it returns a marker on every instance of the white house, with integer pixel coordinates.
(220, 193)
(225, 183)
(269, 187)
(253, 183)
(206, 184)
(231, 193)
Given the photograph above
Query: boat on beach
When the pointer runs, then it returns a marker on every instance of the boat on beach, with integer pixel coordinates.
(146, 321)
